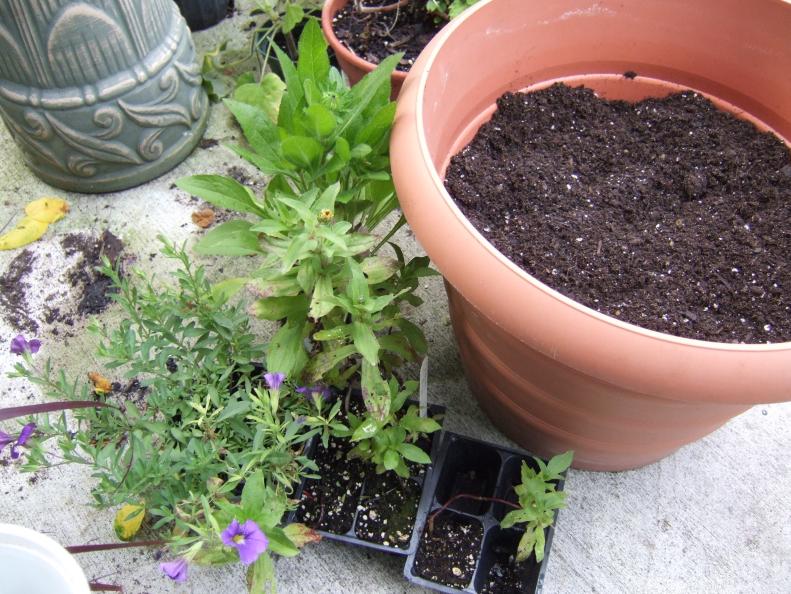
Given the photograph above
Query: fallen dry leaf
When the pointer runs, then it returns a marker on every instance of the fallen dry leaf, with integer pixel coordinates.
(27, 231)
(47, 209)
(39, 214)
(128, 520)
(301, 535)
(203, 218)
(101, 385)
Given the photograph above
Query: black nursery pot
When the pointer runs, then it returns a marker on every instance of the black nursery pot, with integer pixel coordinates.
(368, 500)
(202, 14)
(287, 44)
(481, 560)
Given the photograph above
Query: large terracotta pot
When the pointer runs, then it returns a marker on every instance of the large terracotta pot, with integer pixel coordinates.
(554, 374)
(353, 65)
(100, 95)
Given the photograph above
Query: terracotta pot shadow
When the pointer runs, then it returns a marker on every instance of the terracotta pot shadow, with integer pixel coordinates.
(554, 374)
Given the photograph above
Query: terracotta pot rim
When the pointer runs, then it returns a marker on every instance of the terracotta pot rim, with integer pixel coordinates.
(422, 74)
(333, 6)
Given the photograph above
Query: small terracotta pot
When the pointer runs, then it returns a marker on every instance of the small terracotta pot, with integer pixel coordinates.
(552, 373)
(354, 66)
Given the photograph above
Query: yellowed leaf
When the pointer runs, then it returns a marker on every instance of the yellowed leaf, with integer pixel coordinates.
(128, 521)
(101, 385)
(27, 231)
(47, 209)
(301, 535)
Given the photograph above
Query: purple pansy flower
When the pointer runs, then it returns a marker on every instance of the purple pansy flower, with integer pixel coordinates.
(274, 380)
(15, 442)
(5, 439)
(246, 538)
(175, 570)
(19, 345)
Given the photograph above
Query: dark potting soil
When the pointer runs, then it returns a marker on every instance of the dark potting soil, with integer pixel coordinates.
(449, 550)
(506, 576)
(375, 35)
(666, 213)
(13, 291)
(96, 288)
(330, 503)
(76, 291)
(387, 510)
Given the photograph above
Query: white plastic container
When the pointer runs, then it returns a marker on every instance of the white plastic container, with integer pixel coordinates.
(31, 563)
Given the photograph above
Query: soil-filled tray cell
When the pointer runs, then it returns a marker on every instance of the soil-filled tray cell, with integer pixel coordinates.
(471, 469)
(499, 572)
(448, 550)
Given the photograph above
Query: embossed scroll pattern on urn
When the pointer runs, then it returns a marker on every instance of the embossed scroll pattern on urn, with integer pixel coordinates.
(99, 95)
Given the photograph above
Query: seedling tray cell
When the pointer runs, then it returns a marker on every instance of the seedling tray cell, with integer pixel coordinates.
(401, 538)
(466, 465)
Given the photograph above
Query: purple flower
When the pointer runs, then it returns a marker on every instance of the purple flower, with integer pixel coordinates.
(21, 440)
(246, 538)
(175, 570)
(315, 392)
(5, 439)
(19, 345)
(274, 380)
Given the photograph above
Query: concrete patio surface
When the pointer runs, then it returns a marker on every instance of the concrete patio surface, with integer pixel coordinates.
(715, 517)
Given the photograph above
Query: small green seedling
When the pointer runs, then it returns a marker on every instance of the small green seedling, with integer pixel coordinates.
(538, 501)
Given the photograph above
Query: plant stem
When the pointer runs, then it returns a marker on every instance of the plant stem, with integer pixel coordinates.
(466, 496)
(33, 409)
(77, 549)
(100, 587)
(291, 46)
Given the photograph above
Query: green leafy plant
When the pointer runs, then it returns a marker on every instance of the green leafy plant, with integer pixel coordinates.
(448, 9)
(538, 501)
(339, 301)
(276, 22)
(281, 18)
(197, 440)
(391, 443)
(442, 10)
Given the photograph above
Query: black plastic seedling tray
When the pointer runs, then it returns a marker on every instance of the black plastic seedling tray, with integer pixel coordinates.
(471, 466)
(352, 536)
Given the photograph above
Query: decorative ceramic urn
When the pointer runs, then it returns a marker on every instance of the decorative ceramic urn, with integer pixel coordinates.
(100, 95)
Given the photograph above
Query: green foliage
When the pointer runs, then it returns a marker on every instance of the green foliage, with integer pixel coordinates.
(280, 19)
(538, 501)
(196, 428)
(390, 443)
(338, 299)
(265, 95)
(448, 9)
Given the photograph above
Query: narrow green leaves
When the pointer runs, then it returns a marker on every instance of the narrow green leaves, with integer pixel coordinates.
(538, 501)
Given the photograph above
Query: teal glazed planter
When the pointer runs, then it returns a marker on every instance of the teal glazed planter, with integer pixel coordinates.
(99, 95)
